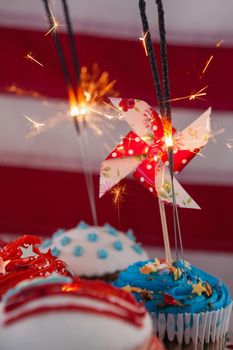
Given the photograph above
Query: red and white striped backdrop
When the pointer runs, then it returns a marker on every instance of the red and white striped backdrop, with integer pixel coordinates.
(41, 184)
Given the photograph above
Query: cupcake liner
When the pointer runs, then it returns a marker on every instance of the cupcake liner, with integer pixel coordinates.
(204, 327)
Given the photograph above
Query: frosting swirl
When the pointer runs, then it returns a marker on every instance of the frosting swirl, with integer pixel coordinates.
(180, 288)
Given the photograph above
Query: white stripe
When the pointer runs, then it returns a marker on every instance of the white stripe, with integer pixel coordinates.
(191, 22)
(58, 148)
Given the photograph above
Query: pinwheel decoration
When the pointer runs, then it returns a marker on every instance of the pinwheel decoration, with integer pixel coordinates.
(144, 151)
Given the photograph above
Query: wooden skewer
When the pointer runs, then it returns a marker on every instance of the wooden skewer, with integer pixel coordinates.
(165, 232)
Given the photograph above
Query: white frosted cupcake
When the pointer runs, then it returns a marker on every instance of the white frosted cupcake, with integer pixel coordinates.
(54, 313)
(96, 252)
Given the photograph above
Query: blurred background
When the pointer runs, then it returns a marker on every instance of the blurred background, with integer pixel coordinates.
(42, 183)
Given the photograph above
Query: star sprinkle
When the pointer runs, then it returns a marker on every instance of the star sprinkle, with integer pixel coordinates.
(148, 268)
(177, 273)
(208, 291)
(197, 288)
(3, 265)
(130, 289)
(27, 252)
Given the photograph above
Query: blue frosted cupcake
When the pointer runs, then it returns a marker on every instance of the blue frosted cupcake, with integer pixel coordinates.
(186, 303)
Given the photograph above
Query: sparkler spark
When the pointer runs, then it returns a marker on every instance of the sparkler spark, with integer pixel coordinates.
(143, 39)
(219, 43)
(118, 193)
(14, 89)
(213, 134)
(230, 144)
(52, 29)
(30, 57)
(195, 95)
(95, 86)
(55, 24)
(35, 125)
(206, 66)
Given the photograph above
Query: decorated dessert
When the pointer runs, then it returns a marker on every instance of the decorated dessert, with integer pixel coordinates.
(21, 259)
(186, 303)
(54, 313)
(95, 252)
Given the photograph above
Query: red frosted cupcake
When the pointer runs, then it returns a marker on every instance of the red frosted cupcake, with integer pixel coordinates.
(54, 313)
(21, 259)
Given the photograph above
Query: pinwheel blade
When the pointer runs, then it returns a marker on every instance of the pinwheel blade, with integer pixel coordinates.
(196, 135)
(189, 142)
(145, 174)
(164, 189)
(141, 118)
(114, 170)
(130, 146)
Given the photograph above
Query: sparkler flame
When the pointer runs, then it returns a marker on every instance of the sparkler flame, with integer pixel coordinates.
(94, 87)
(88, 106)
(168, 141)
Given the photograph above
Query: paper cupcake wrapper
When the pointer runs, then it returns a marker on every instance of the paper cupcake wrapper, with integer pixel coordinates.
(204, 327)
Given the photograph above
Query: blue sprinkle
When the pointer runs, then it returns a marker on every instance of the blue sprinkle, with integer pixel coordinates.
(118, 245)
(102, 253)
(137, 248)
(65, 240)
(56, 251)
(130, 235)
(58, 233)
(92, 237)
(110, 229)
(78, 250)
(82, 225)
(47, 242)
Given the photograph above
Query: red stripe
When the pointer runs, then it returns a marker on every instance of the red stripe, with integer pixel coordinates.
(131, 318)
(124, 60)
(39, 201)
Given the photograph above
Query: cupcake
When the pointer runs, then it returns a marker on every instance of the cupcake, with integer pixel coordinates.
(21, 259)
(187, 304)
(95, 252)
(54, 313)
